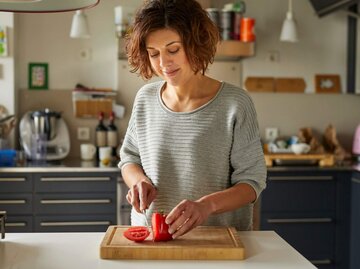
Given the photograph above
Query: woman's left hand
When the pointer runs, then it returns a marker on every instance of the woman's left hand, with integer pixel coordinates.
(186, 216)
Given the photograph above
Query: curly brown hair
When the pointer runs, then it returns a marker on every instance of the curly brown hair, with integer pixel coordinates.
(198, 33)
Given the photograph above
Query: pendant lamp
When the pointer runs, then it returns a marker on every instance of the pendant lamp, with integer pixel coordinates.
(289, 31)
(79, 26)
(46, 6)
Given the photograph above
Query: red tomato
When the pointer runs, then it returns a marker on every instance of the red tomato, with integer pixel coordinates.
(160, 228)
(137, 233)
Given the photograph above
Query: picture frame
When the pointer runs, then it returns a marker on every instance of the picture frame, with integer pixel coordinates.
(327, 83)
(3, 41)
(38, 76)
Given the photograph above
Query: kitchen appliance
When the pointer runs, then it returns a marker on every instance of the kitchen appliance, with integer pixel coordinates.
(324, 7)
(44, 135)
(356, 143)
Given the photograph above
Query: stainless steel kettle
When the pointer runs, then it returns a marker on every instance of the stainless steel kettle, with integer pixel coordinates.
(44, 123)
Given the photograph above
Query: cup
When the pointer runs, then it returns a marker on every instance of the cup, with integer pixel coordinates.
(87, 152)
(105, 155)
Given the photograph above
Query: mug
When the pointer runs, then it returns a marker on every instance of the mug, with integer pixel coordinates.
(87, 151)
(105, 155)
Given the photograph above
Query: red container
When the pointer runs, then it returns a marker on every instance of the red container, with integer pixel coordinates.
(247, 28)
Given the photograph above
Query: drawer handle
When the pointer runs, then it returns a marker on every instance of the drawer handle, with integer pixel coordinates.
(321, 262)
(292, 178)
(301, 220)
(5, 202)
(78, 201)
(356, 180)
(15, 224)
(12, 179)
(75, 223)
(61, 179)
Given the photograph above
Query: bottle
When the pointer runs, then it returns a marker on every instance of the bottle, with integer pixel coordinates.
(112, 136)
(100, 134)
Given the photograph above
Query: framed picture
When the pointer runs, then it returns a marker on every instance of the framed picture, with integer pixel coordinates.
(38, 76)
(3, 41)
(327, 84)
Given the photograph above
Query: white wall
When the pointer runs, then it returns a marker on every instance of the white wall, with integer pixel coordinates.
(45, 38)
(7, 93)
(7, 74)
(321, 50)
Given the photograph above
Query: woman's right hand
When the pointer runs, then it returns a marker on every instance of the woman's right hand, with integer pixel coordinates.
(141, 195)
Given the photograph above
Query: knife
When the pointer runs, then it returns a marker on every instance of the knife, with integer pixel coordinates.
(147, 223)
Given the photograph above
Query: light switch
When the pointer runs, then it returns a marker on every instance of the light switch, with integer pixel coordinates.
(271, 133)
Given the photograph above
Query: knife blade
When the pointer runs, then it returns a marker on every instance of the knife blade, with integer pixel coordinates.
(147, 223)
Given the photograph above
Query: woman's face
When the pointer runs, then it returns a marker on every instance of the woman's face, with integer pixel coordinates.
(167, 57)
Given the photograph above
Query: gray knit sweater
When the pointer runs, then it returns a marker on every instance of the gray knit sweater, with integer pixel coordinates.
(191, 154)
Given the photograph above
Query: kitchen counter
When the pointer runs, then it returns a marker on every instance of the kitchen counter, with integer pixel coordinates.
(67, 165)
(264, 249)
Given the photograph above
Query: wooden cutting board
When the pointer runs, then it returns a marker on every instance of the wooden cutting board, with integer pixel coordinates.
(201, 243)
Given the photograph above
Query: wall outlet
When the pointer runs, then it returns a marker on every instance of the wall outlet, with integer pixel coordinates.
(83, 133)
(273, 56)
(85, 54)
(271, 133)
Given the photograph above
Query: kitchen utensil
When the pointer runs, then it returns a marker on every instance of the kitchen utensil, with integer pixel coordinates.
(300, 148)
(6, 118)
(49, 125)
(201, 243)
(87, 152)
(147, 224)
(44, 122)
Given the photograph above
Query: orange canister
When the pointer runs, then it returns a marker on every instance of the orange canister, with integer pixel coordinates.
(247, 27)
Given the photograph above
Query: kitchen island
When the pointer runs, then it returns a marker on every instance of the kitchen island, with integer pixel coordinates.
(264, 250)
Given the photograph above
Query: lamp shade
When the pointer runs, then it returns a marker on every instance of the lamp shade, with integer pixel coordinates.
(79, 26)
(289, 31)
(45, 5)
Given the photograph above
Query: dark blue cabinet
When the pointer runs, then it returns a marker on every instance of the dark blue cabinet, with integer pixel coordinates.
(355, 222)
(59, 201)
(16, 198)
(309, 209)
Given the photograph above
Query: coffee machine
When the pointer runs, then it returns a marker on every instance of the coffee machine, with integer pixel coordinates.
(44, 135)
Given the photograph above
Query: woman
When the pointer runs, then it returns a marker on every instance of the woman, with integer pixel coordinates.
(192, 147)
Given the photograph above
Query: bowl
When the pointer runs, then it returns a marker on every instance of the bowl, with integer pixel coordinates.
(300, 148)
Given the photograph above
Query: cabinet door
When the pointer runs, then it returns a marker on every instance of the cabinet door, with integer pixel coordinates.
(355, 222)
(75, 182)
(299, 192)
(75, 203)
(19, 224)
(16, 204)
(15, 183)
(77, 223)
(301, 207)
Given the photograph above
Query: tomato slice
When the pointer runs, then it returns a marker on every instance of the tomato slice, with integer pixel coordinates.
(137, 233)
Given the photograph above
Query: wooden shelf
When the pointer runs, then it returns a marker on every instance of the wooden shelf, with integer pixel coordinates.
(234, 48)
(227, 49)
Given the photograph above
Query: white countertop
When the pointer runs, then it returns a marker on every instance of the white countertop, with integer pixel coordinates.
(264, 249)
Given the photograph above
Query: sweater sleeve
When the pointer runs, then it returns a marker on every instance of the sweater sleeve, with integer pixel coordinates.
(247, 157)
(129, 152)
